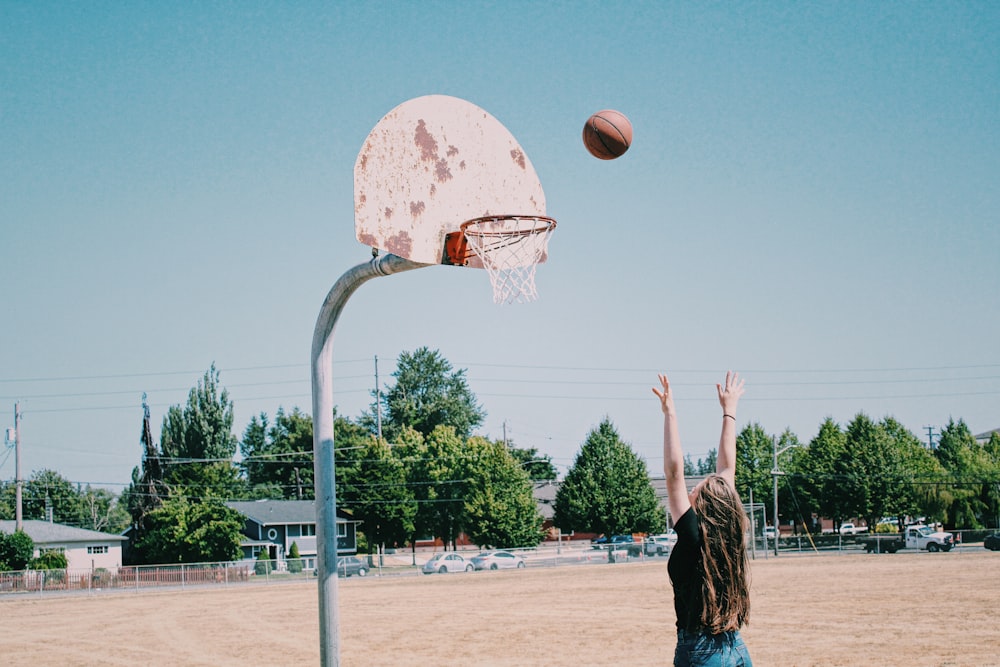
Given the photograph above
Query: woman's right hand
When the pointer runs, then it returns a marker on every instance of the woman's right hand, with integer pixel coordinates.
(665, 395)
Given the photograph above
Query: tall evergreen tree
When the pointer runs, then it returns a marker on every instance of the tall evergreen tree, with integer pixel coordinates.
(607, 490)
(198, 444)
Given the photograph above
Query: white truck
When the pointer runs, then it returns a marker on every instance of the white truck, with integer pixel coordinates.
(914, 537)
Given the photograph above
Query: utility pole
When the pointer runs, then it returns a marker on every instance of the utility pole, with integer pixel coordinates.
(18, 482)
(775, 473)
(378, 402)
(930, 437)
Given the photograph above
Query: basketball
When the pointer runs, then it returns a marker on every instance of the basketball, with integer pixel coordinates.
(607, 134)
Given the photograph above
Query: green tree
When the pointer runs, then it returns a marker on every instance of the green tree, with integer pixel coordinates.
(436, 467)
(607, 490)
(294, 561)
(198, 444)
(378, 495)
(500, 503)
(754, 461)
(101, 510)
(147, 490)
(873, 469)
(820, 487)
(707, 465)
(918, 491)
(538, 466)
(991, 486)
(428, 393)
(16, 550)
(970, 467)
(47, 489)
(181, 531)
(277, 460)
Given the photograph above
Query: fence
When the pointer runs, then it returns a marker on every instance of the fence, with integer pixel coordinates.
(74, 580)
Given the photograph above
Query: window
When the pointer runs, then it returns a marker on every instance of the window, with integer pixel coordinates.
(58, 550)
(307, 530)
(98, 550)
(341, 530)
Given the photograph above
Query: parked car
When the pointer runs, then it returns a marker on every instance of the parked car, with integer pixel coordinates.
(851, 529)
(992, 542)
(350, 565)
(770, 533)
(497, 560)
(447, 562)
(661, 544)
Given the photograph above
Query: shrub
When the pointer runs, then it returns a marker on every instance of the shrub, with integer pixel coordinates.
(294, 562)
(50, 560)
(263, 564)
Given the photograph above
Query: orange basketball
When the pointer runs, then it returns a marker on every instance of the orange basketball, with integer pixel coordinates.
(607, 134)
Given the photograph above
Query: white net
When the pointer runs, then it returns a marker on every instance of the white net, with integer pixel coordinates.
(510, 248)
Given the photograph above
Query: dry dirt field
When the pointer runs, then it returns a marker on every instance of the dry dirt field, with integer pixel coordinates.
(847, 609)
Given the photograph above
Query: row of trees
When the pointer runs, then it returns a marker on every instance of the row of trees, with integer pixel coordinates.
(411, 467)
(871, 470)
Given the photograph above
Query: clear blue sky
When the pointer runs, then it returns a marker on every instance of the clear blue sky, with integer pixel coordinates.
(811, 198)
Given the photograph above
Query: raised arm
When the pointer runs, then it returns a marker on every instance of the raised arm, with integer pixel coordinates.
(729, 398)
(673, 456)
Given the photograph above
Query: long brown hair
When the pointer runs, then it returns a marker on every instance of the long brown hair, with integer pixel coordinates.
(725, 589)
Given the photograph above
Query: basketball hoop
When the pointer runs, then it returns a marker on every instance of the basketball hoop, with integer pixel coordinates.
(510, 248)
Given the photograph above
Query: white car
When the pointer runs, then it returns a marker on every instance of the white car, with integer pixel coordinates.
(660, 544)
(769, 532)
(447, 562)
(497, 560)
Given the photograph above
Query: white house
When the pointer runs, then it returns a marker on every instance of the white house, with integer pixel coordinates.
(84, 549)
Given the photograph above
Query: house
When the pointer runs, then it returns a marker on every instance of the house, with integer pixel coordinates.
(84, 549)
(273, 525)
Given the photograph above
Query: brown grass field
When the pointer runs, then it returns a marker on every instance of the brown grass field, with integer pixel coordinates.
(845, 609)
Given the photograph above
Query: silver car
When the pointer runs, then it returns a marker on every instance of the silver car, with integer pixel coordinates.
(497, 560)
(447, 562)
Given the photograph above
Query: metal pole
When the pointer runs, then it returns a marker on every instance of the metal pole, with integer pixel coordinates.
(18, 482)
(325, 476)
(774, 476)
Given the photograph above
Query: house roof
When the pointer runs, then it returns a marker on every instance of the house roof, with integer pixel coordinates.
(282, 512)
(44, 532)
(985, 437)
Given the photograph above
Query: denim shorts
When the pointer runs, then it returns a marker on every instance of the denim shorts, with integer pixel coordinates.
(704, 650)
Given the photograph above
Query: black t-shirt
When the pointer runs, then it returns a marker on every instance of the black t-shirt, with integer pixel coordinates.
(686, 572)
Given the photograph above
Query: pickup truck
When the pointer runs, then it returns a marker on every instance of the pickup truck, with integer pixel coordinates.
(851, 529)
(914, 537)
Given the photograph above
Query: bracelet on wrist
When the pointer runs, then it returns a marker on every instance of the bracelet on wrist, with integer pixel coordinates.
(726, 414)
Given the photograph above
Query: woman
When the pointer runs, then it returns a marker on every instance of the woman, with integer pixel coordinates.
(708, 565)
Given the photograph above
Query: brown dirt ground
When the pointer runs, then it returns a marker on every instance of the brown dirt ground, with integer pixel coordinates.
(837, 610)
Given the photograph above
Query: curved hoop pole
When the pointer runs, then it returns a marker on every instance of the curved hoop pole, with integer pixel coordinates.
(323, 456)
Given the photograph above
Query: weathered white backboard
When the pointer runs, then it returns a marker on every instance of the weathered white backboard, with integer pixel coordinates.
(431, 164)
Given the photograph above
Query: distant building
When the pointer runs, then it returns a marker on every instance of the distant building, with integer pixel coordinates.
(84, 549)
